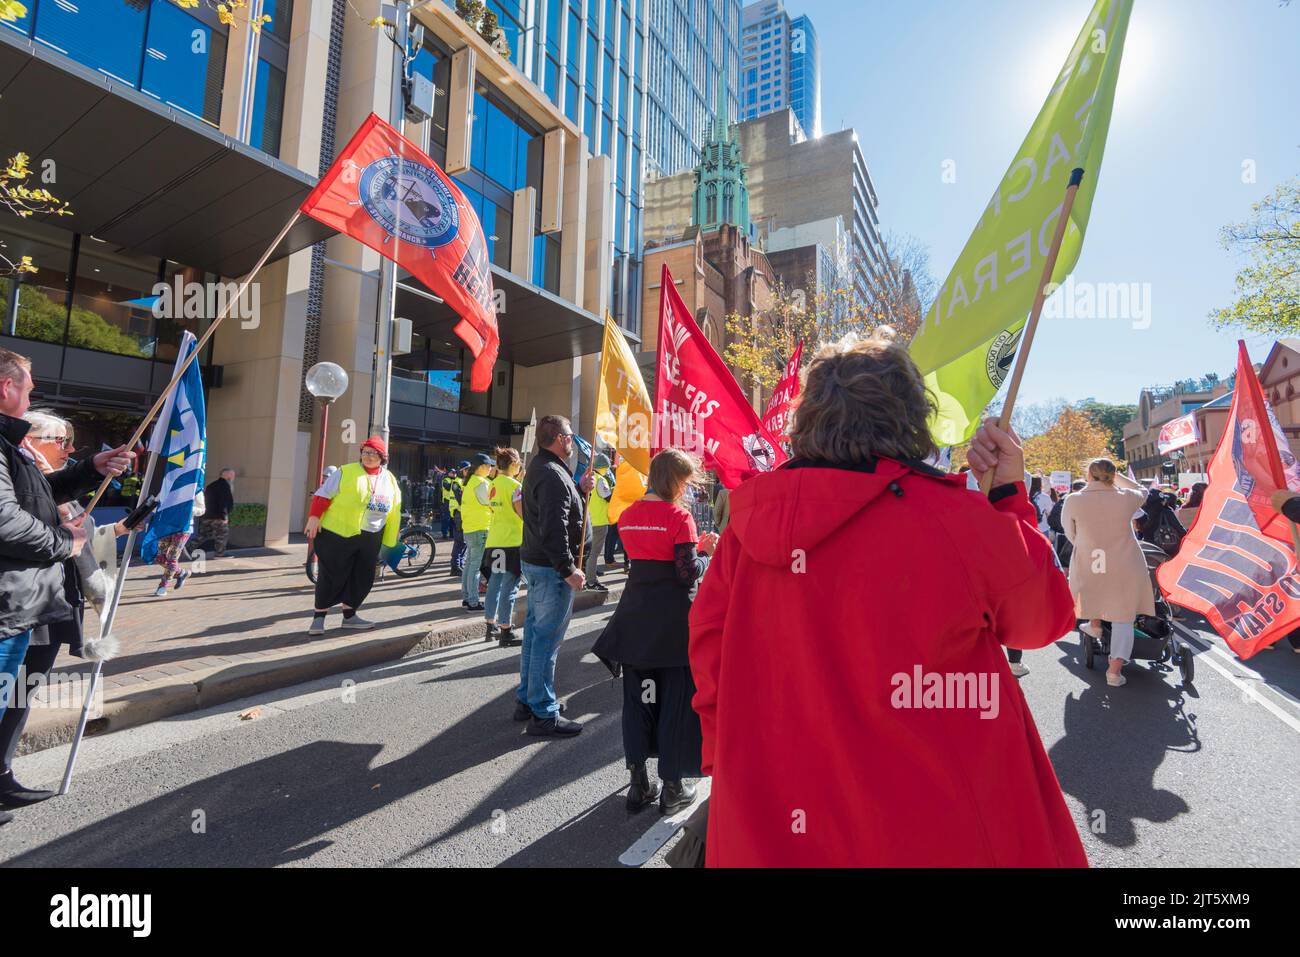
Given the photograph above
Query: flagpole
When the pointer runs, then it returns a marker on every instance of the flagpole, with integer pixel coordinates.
(1027, 337)
(225, 311)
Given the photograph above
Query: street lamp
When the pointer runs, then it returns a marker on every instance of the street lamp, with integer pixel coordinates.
(325, 381)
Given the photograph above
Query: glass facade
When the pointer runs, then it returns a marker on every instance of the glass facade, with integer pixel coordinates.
(689, 42)
(177, 56)
(781, 65)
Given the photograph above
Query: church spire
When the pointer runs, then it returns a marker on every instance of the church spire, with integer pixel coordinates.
(721, 188)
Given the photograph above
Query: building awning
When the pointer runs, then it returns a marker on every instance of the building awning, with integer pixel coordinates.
(140, 175)
(536, 327)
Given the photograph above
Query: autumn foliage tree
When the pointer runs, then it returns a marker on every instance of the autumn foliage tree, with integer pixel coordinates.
(1071, 442)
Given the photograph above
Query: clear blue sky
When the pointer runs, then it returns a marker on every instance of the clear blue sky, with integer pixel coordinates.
(1204, 86)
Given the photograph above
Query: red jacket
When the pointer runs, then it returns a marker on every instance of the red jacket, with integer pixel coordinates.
(831, 592)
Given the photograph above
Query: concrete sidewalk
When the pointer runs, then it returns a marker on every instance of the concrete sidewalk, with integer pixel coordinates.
(238, 627)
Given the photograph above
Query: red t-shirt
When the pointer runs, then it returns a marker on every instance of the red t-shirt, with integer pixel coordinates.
(649, 529)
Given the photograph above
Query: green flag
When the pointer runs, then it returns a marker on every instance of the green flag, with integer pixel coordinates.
(967, 343)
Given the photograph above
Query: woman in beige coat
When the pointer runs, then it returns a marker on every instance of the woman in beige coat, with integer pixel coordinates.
(1108, 575)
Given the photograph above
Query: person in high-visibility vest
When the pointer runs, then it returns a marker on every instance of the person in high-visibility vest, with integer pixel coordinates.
(475, 520)
(501, 558)
(444, 511)
(598, 508)
(355, 513)
(629, 486)
(456, 486)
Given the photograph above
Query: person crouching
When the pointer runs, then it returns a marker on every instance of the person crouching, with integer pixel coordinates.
(648, 635)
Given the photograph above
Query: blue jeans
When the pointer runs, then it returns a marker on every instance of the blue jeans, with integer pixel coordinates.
(503, 588)
(12, 651)
(474, 544)
(550, 603)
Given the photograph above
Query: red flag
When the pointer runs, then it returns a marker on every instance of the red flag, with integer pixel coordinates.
(1177, 433)
(384, 191)
(698, 403)
(1246, 582)
(787, 390)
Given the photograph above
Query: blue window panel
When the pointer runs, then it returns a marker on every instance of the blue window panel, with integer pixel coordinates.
(553, 8)
(184, 62)
(551, 83)
(478, 132)
(593, 61)
(625, 45)
(589, 122)
(571, 99)
(281, 14)
(105, 35)
(609, 18)
(473, 197)
(574, 39)
(268, 109)
(502, 135)
(606, 135)
(751, 97)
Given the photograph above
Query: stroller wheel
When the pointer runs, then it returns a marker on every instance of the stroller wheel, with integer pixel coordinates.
(1186, 666)
(1086, 640)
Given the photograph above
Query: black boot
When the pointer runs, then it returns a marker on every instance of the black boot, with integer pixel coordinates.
(677, 795)
(491, 632)
(506, 639)
(641, 794)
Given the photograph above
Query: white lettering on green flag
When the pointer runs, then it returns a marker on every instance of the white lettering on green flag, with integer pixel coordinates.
(967, 343)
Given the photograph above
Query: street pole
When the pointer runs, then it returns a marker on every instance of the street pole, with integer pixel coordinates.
(324, 431)
(388, 268)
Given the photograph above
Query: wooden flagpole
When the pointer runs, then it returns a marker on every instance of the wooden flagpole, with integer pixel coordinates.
(1027, 337)
(225, 311)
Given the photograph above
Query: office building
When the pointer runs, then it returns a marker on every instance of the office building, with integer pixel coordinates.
(780, 66)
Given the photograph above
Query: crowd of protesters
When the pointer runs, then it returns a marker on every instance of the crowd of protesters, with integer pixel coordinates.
(731, 665)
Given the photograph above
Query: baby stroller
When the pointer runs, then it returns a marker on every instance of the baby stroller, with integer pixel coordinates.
(1154, 638)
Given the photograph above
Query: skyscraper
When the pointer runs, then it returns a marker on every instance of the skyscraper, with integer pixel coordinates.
(689, 42)
(781, 67)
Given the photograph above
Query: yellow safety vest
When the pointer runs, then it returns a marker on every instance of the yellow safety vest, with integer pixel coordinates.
(598, 507)
(453, 500)
(348, 507)
(474, 515)
(507, 529)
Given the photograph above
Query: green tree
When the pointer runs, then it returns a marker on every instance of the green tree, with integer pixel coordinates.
(1111, 418)
(1268, 286)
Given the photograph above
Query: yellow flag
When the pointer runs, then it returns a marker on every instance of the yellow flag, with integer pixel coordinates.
(967, 344)
(623, 408)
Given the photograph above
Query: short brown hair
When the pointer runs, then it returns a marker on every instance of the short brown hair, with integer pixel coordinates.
(672, 472)
(12, 365)
(549, 428)
(861, 402)
(506, 457)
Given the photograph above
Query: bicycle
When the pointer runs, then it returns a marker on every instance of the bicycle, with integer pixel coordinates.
(418, 552)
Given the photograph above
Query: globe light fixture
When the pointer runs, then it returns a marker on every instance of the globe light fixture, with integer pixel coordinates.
(327, 381)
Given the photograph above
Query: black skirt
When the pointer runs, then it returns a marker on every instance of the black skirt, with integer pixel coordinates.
(345, 567)
(650, 627)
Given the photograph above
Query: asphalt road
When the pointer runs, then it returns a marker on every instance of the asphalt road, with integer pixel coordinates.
(417, 763)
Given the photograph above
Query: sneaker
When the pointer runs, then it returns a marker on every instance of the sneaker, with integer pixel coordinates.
(599, 587)
(556, 727)
(357, 622)
(478, 606)
(160, 591)
(180, 580)
(1116, 681)
(317, 626)
(1018, 669)
(523, 712)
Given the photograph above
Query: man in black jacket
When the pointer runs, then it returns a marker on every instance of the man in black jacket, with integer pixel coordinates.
(33, 542)
(219, 499)
(554, 529)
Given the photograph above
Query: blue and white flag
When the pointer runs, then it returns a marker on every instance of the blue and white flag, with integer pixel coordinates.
(180, 442)
(584, 456)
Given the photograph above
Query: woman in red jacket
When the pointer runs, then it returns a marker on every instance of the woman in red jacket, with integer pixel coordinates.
(855, 703)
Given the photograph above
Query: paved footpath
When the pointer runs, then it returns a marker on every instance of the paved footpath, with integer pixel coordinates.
(245, 612)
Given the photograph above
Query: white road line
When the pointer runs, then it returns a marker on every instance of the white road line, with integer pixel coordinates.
(663, 830)
(1208, 657)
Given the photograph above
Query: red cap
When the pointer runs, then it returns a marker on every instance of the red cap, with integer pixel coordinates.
(376, 443)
